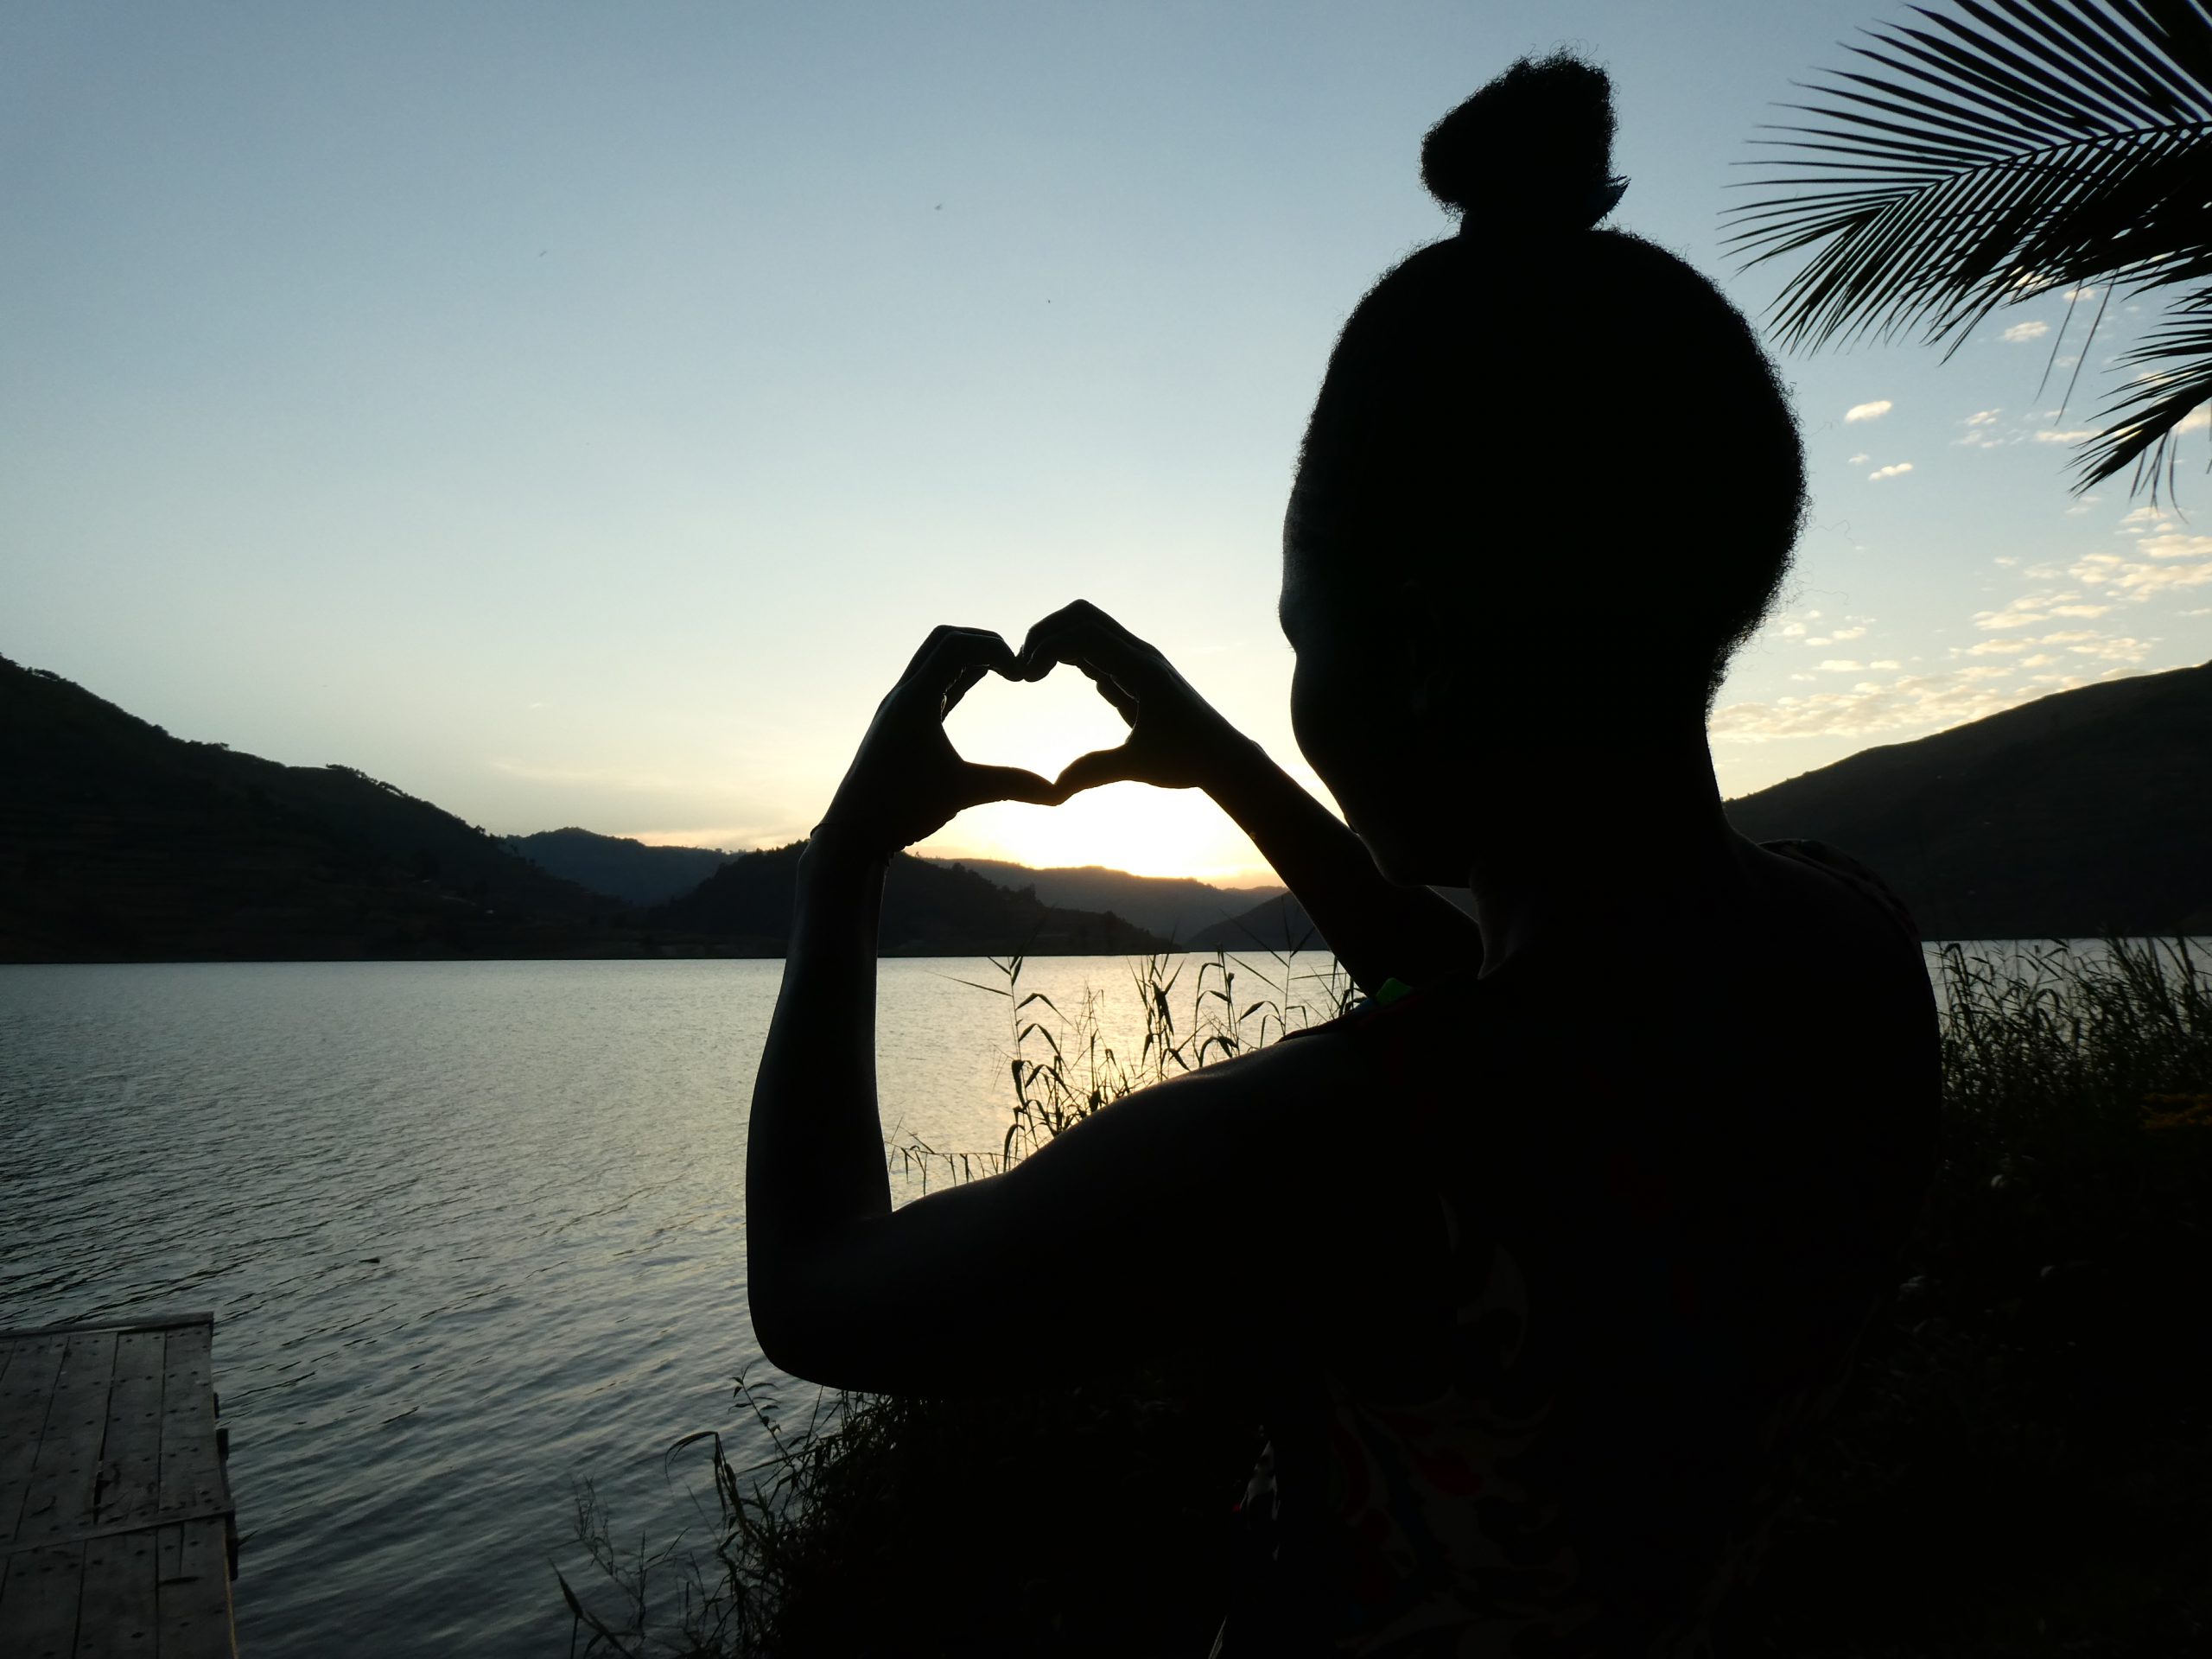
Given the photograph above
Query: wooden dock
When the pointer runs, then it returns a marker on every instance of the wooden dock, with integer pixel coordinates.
(117, 1530)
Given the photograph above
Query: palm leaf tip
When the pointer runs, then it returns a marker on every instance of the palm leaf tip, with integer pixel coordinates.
(1967, 162)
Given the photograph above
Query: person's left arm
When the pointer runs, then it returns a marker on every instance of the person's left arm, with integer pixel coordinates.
(1127, 1232)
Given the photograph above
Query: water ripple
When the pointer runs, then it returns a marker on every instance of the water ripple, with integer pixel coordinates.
(468, 1230)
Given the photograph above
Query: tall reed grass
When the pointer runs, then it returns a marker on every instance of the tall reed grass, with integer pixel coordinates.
(2024, 1464)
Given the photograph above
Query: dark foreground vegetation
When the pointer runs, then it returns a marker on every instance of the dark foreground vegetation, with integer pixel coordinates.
(2023, 1465)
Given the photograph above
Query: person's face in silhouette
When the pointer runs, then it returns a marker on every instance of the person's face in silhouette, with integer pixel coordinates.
(1363, 707)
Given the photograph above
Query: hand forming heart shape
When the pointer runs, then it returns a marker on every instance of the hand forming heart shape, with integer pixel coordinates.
(1040, 724)
(908, 780)
(1176, 741)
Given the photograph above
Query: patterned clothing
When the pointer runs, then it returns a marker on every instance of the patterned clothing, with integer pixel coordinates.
(1630, 1266)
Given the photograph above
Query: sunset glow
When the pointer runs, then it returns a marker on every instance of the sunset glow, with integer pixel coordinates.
(592, 444)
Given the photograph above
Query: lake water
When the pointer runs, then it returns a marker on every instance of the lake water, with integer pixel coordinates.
(471, 1231)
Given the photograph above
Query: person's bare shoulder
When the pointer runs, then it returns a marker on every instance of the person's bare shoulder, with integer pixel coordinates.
(1242, 1118)
(1830, 884)
(1849, 984)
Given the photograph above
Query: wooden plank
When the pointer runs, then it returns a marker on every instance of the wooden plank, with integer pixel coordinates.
(38, 1604)
(116, 1606)
(130, 1456)
(23, 1403)
(194, 1591)
(192, 1472)
(58, 1502)
(114, 1500)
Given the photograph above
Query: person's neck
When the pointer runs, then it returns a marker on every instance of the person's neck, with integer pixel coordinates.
(1583, 845)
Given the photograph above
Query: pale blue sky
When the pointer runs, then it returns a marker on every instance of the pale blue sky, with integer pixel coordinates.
(576, 413)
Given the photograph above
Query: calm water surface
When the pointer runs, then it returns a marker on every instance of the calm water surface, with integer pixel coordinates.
(470, 1231)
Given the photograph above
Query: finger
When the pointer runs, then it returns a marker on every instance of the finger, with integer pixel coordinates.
(981, 784)
(1113, 765)
(1124, 701)
(1080, 626)
(1033, 666)
(928, 646)
(948, 653)
(962, 683)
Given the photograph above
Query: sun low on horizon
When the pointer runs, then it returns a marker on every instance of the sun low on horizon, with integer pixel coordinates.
(579, 416)
(1130, 827)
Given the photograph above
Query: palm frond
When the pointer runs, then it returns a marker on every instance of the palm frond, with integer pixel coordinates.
(2174, 379)
(1976, 161)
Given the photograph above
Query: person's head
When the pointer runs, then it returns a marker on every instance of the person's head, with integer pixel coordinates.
(1550, 484)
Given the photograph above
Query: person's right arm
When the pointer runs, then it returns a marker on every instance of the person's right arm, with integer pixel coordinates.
(1176, 740)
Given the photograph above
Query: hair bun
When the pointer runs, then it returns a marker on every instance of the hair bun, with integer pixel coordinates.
(1531, 152)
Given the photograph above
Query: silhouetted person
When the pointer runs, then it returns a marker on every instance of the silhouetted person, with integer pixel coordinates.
(1544, 1269)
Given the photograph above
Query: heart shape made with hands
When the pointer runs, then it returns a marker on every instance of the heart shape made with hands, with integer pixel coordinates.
(1039, 725)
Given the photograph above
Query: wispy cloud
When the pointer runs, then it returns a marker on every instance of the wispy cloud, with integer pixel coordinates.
(1858, 460)
(2020, 330)
(1872, 411)
(2114, 648)
(1786, 627)
(2077, 642)
(1871, 706)
(1833, 635)
(1982, 433)
(2030, 608)
(2073, 436)
(1895, 469)
(1910, 703)
(2172, 545)
(2133, 581)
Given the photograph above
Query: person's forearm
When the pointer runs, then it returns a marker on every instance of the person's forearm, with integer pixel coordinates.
(814, 1145)
(1377, 928)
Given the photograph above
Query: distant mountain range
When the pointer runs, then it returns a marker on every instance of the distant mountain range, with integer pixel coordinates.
(1173, 907)
(119, 843)
(618, 866)
(928, 910)
(2082, 812)
(1162, 908)
(2085, 811)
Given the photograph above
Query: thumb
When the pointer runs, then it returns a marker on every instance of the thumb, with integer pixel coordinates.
(1113, 765)
(981, 784)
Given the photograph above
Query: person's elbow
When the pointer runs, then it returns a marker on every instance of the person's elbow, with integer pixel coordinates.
(796, 1323)
(783, 1336)
(787, 1334)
